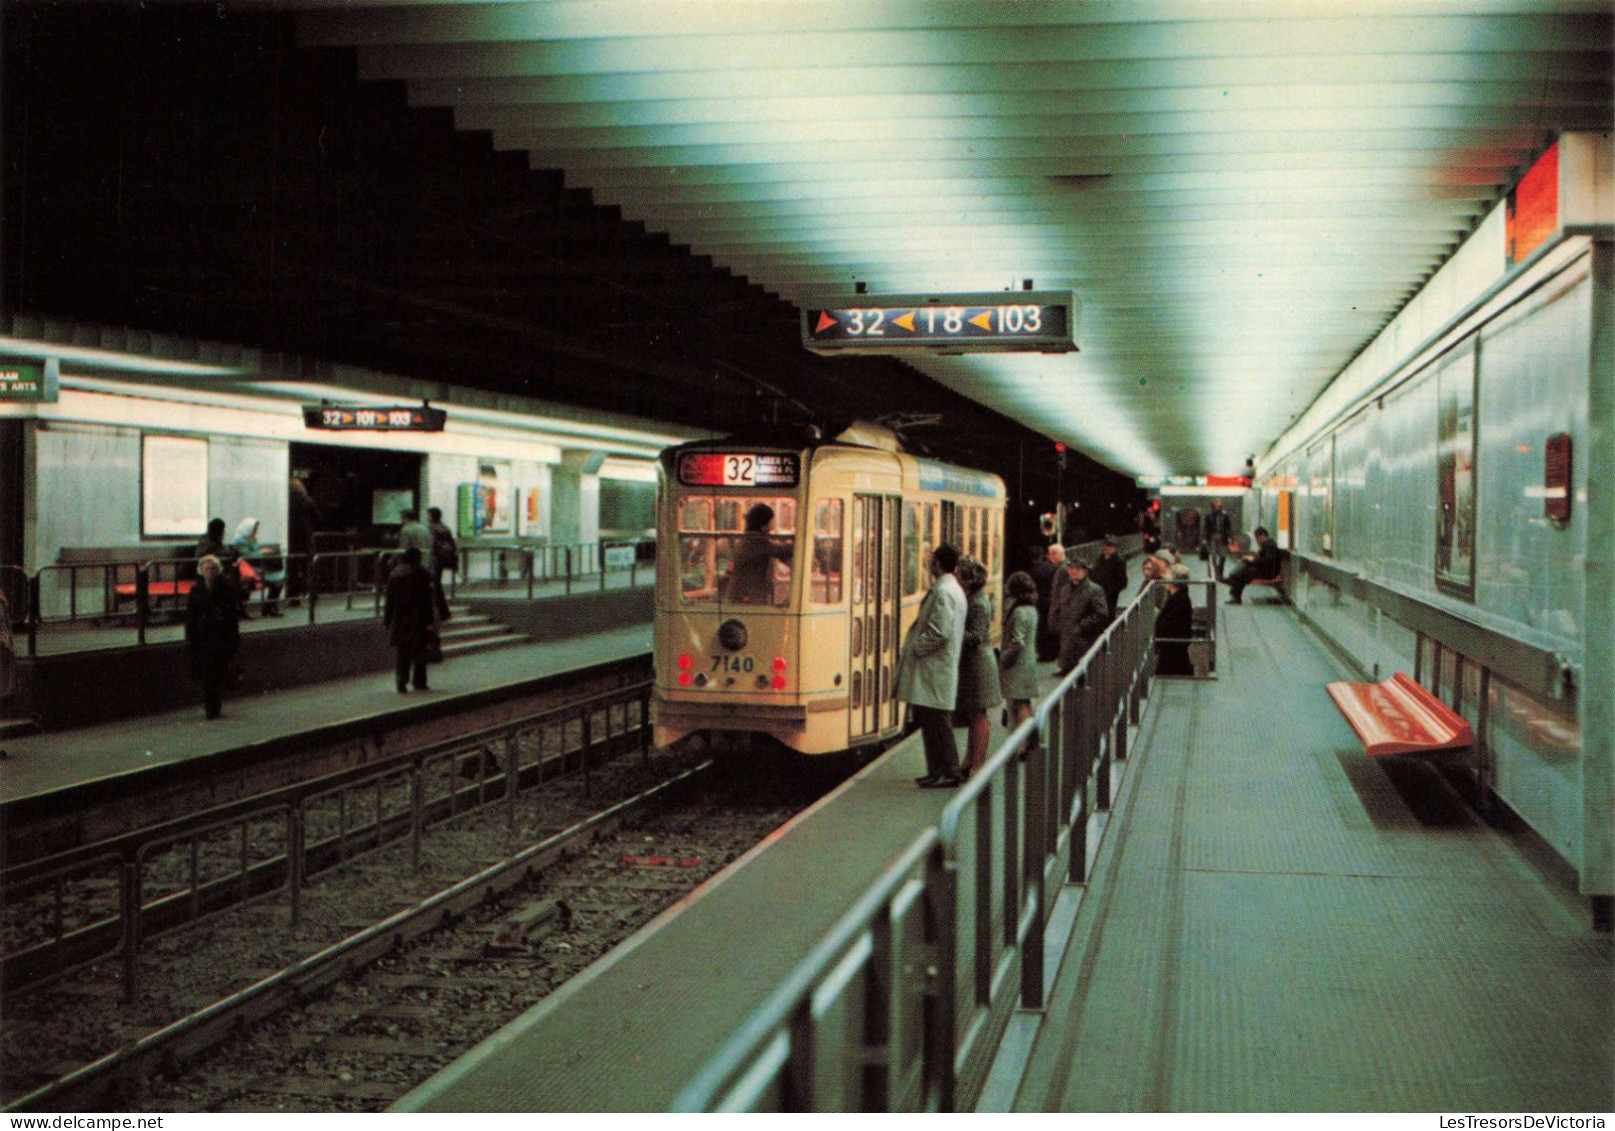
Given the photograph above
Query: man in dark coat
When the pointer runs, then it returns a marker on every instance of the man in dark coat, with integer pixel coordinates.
(212, 631)
(1042, 570)
(1048, 582)
(1263, 565)
(408, 617)
(1110, 574)
(1084, 615)
(303, 518)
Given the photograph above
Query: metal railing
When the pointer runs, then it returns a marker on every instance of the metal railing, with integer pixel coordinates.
(901, 1006)
(141, 594)
(74, 908)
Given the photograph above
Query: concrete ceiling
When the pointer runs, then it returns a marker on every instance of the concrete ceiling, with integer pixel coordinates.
(1241, 194)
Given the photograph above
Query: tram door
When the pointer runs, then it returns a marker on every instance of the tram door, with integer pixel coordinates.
(876, 530)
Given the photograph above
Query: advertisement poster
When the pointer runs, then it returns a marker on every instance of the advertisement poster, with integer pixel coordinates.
(173, 487)
(1455, 473)
(495, 505)
(528, 524)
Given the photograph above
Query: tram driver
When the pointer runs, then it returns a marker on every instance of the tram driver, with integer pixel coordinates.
(751, 578)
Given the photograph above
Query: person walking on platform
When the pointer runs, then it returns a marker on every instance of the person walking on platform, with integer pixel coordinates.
(928, 669)
(1263, 565)
(445, 556)
(978, 669)
(1174, 626)
(1048, 579)
(1085, 615)
(213, 632)
(1110, 574)
(408, 617)
(1017, 667)
(413, 533)
(1219, 528)
(303, 518)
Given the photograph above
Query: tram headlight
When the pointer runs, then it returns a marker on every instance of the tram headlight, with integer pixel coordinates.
(732, 635)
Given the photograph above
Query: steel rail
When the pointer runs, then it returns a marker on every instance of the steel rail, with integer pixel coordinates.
(112, 1075)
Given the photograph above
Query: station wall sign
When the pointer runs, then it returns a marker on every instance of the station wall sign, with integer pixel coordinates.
(29, 382)
(374, 418)
(990, 322)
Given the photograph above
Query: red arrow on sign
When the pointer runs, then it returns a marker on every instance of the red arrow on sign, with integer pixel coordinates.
(825, 322)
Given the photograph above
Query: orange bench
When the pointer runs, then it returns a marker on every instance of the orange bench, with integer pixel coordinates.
(1400, 717)
(125, 590)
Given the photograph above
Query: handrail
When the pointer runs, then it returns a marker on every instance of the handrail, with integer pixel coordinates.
(1069, 744)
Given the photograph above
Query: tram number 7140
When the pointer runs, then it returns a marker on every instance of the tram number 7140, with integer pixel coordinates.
(733, 664)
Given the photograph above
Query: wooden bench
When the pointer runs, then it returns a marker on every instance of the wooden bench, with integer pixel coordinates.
(1400, 716)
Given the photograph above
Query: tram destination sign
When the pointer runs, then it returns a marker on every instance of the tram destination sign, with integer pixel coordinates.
(991, 322)
(374, 418)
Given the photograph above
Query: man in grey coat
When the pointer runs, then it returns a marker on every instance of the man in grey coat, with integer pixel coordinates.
(1086, 615)
(928, 669)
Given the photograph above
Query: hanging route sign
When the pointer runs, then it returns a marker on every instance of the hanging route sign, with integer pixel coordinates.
(994, 322)
(374, 418)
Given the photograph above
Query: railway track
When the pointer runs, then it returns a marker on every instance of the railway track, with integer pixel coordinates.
(356, 1025)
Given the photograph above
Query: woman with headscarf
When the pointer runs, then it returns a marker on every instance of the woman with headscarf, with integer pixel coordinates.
(271, 571)
(978, 669)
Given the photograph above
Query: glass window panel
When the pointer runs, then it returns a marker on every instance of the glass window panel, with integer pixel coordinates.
(722, 562)
(911, 548)
(827, 552)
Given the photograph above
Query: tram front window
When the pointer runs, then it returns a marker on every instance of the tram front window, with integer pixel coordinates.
(736, 550)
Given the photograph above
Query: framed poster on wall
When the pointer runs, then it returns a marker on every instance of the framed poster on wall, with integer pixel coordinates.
(173, 487)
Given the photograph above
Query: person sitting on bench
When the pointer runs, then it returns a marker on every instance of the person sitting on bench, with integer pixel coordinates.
(1263, 565)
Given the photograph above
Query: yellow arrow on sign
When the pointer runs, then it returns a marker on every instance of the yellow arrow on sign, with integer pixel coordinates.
(984, 320)
(906, 321)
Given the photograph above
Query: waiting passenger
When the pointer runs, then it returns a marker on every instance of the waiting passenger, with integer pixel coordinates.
(1110, 574)
(928, 669)
(1263, 565)
(1085, 616)
(1174, 625)
(751, 577)
(271, 569)
(408, 617)
(1017, 670)
(213, 631)
(1048, 636)
(978, 671)
(213, 545)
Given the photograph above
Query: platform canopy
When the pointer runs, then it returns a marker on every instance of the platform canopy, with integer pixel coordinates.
(1239, 194)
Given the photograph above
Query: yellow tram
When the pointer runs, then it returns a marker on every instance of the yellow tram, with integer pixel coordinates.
(787, 575)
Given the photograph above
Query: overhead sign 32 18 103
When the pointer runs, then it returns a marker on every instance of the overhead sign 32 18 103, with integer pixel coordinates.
(993, 322)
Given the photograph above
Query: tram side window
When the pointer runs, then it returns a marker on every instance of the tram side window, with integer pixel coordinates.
(911, 549)
(732, 550)
(928, 542)
(827, 552)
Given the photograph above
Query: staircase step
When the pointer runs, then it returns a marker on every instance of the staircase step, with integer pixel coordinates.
(16, 728)
(465, 620)
(456, 631)
(483, 644)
